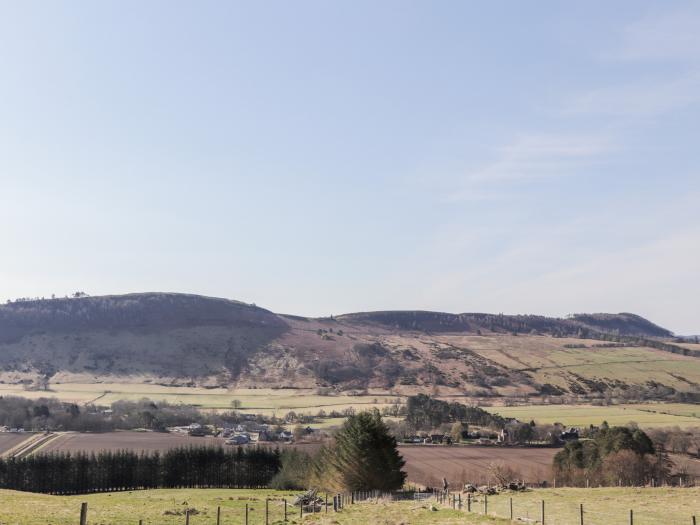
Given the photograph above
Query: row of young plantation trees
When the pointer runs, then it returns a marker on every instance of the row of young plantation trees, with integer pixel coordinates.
(193, 467)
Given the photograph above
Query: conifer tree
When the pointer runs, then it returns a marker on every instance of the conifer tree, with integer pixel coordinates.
(364, 456)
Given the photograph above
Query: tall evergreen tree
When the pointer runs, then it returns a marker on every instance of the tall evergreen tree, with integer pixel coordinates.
(364, 456)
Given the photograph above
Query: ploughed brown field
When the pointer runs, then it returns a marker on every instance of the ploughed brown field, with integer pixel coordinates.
(140, 441)
(427, 465)
(9, 440)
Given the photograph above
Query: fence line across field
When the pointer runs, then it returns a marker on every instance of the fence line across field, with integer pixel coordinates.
(535, 512)
(539, 512)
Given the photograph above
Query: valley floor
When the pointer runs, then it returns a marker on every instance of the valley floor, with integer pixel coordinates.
(279, 402)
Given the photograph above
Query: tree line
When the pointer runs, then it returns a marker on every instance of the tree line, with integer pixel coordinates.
(187, 467)
(610, 456)
(424, 413)
(51, 414)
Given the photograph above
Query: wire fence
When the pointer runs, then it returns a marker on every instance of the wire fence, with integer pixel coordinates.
(550, 511)
(555, 511)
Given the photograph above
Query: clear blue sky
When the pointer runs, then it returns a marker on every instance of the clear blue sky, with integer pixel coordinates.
(325, 157)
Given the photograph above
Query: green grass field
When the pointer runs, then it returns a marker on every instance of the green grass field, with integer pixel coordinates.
(548, 360)
(603, 506)
(646, 415)
(258, 401)
(306, 401)
(609, 506)
(167, 507)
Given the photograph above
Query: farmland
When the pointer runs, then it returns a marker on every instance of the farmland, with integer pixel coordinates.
(645, 415)
(427, 465)
(608, 506)
(306, 401)
(250, 400)
(166, 507)
(560, 362)
(603, 506)
(8, 440)
(137, 441)
(279, 402)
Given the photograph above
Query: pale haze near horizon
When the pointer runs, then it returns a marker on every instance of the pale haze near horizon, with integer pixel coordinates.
(318, 158)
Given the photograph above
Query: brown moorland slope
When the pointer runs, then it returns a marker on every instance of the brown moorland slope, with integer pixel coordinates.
(180, 339)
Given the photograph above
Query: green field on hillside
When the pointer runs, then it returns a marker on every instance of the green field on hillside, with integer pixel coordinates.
(645, 415)
(549, 360)
(306, 401)
(252, 400)
(609, 506)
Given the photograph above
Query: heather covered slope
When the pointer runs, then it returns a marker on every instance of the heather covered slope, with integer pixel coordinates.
(171, 335)
(192, 340)
(624, 324)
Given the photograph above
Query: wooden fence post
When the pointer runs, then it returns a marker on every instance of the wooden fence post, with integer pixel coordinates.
(285, 509)
(326, 502)
(469, 502)
(631, 517)
(83, 513)
(187, 516)
(301, 510)
(580, 513)
(542, 520)
(267, 511)
(486, 504)
(460, 501)
(246, 514)
(694, 520)
(511, 509)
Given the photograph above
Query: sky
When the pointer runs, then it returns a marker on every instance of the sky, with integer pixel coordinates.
(319, 158)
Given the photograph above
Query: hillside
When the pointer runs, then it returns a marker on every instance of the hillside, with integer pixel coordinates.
(624, 324)
(191, 340)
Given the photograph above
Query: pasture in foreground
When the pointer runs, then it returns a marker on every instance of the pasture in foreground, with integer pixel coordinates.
(608, 506)
(603, 506)
(167, 507)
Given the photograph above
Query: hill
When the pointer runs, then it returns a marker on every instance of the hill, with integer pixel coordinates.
(624, 324)
(189, 340)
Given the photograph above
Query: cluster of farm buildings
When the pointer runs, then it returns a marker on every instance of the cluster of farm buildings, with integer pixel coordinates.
(243, 434)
